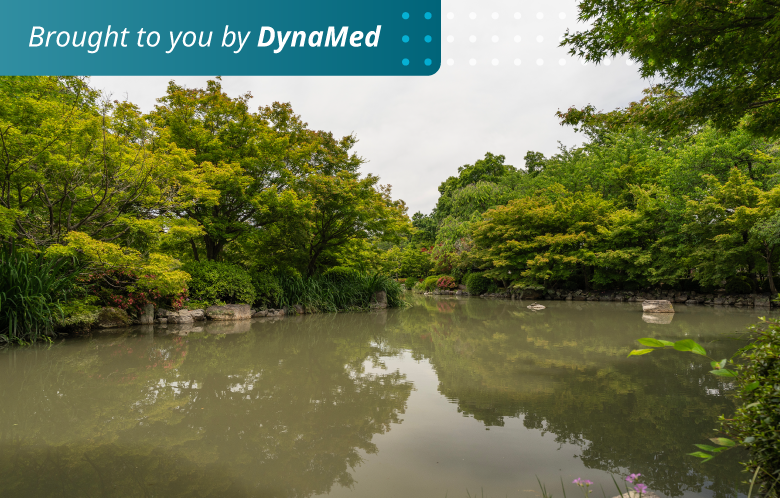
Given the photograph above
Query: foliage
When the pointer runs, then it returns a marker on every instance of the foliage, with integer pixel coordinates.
(715, 59)
(338, 291)
(214, 281)
(268, 292)
(446, 282)
(416, 262)
(431, 283)
(757, 421)
(478, 284)
(32, 290)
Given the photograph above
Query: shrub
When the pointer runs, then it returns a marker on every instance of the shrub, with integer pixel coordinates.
(478, 284)
(446, 282)
(757, 421)
(213, 281)
(738, 285)
(429, 283)
(341, 273)
(268, 292)
(32, 290)
(119, 288)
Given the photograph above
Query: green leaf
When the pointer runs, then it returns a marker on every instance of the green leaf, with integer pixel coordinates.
(749, 440)
(707, 447)
(653, 343)
(751, 405)
(751, 387)
(722, 441)
(701, 454)
(715, 365)
(724, 373)
(638, 352)
(723, 363)
(689, 345)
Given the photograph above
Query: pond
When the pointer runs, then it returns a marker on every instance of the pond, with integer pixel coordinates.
(450, 396)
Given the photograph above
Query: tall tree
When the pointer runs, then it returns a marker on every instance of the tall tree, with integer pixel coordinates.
(716, 59)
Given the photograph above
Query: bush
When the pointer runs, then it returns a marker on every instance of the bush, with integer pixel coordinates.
(757, 422)
(213, 281)
(341, 273)
(268, 292)
(478, 284)
(446, 282)
(32, 290)
(738, 285)
(429, 283)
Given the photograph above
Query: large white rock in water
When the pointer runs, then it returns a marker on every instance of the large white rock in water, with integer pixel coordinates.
(657, 307)
(229, 312)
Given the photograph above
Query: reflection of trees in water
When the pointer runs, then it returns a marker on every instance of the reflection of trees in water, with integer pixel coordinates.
(566, 373)
(284, 411)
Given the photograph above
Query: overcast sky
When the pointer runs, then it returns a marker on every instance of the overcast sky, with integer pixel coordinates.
(416, 131)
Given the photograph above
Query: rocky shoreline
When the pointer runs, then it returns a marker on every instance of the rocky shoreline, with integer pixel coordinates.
(678, 297)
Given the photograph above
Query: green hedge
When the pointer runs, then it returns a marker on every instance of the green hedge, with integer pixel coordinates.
(268, 291)
(757, 422)
(478, 284)
(215, 282)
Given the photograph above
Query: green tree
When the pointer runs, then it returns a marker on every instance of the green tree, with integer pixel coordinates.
(716, 59)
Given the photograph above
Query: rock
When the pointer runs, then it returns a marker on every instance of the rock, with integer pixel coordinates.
(660, 306)
(299, 309)
(181, 316)
(198, 315)
(462, 287)
(379, 300)
(691, 301)
(634, 494)
(109, 318)
(658, 318)
(161, 313)
(260, 314)
(161, 321)
(147, 316)
(761, 301)
(535, 307)
(229, 312)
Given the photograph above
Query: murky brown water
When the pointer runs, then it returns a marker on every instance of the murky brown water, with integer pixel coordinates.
(448, 396)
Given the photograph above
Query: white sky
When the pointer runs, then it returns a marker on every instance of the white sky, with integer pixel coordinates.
(416, 131)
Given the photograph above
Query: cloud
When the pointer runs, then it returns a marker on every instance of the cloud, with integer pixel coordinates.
(417, 131)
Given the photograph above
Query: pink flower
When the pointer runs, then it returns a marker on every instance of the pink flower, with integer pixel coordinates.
(640, 488)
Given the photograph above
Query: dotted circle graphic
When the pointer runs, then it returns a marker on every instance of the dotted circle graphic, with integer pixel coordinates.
(428, 38)
(405, 15)
(405, 62)
(428, 15)
(405, 39)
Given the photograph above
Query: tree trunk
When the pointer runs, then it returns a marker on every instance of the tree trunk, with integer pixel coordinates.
(213, 248)
(194, 250)
(772, 287)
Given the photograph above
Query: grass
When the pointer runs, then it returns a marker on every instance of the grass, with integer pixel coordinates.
(338, 292)
(32, 289)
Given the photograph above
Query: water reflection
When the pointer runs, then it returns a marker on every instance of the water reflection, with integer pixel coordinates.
(282, 413)
(294, 407)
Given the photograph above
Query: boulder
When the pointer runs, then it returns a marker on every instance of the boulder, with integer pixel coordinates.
(181, 316)
(761, 301)
(198, 315)
(109, 318)
(299, 310)
(260, 314)
(660, 306)
(161, 313)
(379, 300)
(147, 316)
(229, 312)
(161, 320)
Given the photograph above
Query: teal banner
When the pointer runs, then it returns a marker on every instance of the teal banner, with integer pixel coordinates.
(229, 37)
